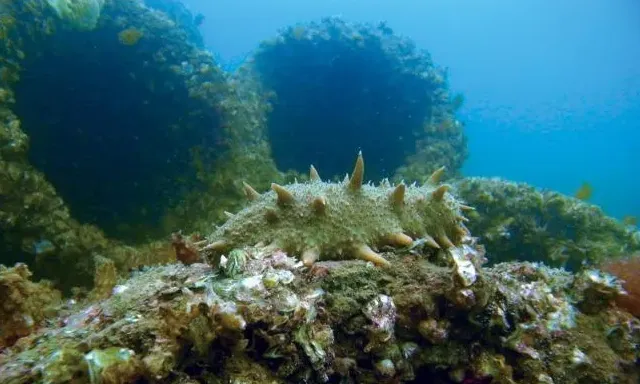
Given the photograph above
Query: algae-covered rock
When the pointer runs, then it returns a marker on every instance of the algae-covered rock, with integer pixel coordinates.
(183, 18)
(403, 324)
(419, 311)
(516, 221)
(111, 122)
(335, 86)
(24, 305)
(276, 321)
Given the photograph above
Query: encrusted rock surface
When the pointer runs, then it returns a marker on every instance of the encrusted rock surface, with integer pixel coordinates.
(110, 114)
(423, 311)
(24, 305)
(336, 86)
(516, 221)
(261, 316)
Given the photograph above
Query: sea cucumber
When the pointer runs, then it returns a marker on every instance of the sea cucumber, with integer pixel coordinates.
(318, 219)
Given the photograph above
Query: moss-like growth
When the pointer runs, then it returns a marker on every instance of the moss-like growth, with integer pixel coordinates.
(59, 166)
(336, 86)
(516, 221)
(24, 305)
(351, 287)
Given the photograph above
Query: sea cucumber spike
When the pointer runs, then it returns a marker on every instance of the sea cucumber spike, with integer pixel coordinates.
(313, 174)
(399, 239)
(466, 208)
(385, 183)
(310, 256)
(215, 246)
(284, 196)
(438, 193)
(445, 241)
(397, 196)
(319, 204)
(228, 214)
(462, 231)
(251, 193)
(363, 252)
(430, 241)
(462, 218)
(355, 183)
(435, 177)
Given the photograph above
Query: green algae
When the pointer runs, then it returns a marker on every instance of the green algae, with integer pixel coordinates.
(350, 287)
(516, 221)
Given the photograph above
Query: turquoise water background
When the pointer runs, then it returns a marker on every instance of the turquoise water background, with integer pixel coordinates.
(552, 88)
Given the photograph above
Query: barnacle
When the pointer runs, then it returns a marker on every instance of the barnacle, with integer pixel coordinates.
(344, 220)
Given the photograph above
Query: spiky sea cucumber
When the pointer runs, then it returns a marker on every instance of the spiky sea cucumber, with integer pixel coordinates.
(319, 219)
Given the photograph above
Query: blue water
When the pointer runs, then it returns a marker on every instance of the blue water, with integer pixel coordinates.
(552, 88)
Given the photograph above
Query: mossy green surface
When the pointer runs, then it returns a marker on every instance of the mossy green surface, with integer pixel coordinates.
(588, 338)
(351, 287)
(516, 221)
(37, 224)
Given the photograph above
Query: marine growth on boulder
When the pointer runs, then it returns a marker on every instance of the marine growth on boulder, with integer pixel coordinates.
(112, 108)
(337, 86)
(111, 116)
(260, 316)
(516, 221)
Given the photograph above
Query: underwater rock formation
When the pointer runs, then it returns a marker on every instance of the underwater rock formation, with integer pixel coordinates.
(516, 221)
(261, 316)
(110, 116)
(24, 305)
(181, 16)
(336, 87)
(428, 313)
(113, 108)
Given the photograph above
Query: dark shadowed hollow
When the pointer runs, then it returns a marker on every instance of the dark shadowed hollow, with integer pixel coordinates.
(337, 94)
(112, 131)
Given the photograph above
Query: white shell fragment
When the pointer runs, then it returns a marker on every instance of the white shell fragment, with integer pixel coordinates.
(463, 267)
(382, 313)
